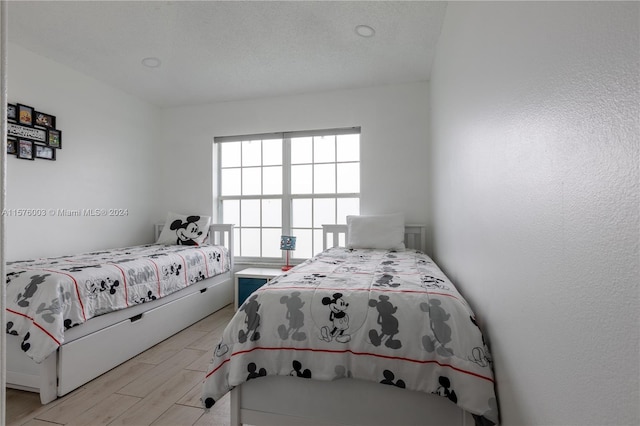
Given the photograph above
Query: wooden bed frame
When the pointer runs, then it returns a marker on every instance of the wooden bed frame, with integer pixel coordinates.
(88, 350)
(283, 400)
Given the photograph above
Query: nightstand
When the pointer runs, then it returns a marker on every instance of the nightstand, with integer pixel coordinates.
(249, 280)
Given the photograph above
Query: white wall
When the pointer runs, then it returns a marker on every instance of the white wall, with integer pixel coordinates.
(535, 118)
(393, 143)
(107, 160)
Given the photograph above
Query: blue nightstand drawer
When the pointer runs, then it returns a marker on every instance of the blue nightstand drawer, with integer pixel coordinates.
(246, 286)
(249, 280)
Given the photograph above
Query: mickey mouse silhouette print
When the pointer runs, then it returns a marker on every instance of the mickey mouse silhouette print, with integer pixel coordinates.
(389, 326)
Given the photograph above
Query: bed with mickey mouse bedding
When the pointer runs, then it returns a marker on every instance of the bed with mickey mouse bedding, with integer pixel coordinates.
(370, 333)
(72, 318)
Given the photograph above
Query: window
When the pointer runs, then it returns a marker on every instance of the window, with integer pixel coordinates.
(287, 184)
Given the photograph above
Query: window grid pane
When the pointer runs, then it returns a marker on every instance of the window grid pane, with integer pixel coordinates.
(230, 181)
(302, 150)
(271, 242)
(301, 213)
(272, 180)
(324, 149)
(272, 152)
(348, 178)
(251, 153)
(301, 179)
(272, 213)
(251, 181)
(231, 212)
(249, 213)
(230, 156)
(348, 148)
(324, 179)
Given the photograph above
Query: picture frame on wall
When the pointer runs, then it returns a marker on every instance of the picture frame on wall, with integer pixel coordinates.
(42, 119)
(11, 146)
(54, 138)
(11, 112)
(25, 149)
(25, 114)
(45, 152)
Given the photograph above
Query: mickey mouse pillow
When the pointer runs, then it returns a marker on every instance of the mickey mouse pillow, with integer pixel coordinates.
(185, 230)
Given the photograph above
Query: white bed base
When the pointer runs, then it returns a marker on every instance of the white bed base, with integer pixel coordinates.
(106, 341)
(283, 400)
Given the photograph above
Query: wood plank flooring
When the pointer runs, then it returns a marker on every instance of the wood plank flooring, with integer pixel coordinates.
(161, 386)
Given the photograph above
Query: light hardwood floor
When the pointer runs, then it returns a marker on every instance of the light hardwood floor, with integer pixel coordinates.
(161, 386)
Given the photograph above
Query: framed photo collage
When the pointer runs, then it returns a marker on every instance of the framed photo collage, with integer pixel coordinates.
(32, 134)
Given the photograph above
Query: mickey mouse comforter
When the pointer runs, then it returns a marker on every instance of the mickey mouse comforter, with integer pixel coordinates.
(387, 317)
(47, 296)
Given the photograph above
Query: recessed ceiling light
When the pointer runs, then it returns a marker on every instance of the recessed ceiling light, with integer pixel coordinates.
(151, 62)
(365, 31)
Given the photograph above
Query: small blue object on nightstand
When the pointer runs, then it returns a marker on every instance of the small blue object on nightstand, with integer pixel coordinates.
(287, 243)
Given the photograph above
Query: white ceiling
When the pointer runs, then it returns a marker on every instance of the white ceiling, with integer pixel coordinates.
(214, 51)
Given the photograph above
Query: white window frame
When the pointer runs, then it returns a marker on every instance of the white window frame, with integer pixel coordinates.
(286, 196)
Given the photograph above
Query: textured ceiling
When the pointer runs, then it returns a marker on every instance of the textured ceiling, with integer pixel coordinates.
(214, 51)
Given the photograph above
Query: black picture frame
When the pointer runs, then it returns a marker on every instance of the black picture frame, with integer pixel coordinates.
(45, 152)
(12, 146)
(25, 114)
(44, 120)
(12, 112)
(54, 138)
(25, 149)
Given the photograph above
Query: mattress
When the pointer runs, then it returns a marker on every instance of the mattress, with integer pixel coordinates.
(47, 296)
(387, 317)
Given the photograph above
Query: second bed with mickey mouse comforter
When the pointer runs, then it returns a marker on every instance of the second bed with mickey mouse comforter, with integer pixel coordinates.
(376, 315)
(46, 297)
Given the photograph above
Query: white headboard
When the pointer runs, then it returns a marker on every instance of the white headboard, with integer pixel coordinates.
(414, 236)
(219, 234)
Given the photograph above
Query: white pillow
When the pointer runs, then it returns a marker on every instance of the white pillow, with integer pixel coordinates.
(185, 230)
(376, 232)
